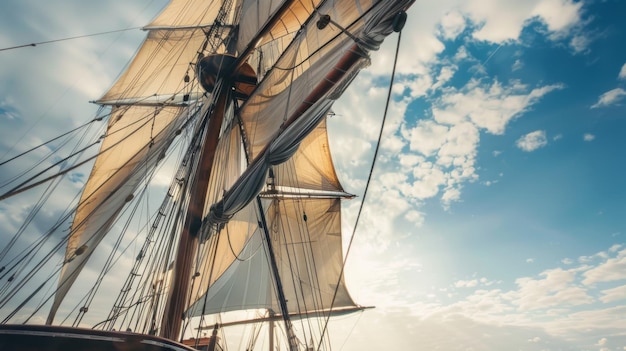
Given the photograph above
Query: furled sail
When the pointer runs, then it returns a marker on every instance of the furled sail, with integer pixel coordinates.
(295, 95)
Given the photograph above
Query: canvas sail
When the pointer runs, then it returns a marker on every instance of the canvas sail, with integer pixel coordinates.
(147, 111)
(136, 138)
(244, 281)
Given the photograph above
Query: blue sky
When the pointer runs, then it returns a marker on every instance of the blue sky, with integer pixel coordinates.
(495, 220)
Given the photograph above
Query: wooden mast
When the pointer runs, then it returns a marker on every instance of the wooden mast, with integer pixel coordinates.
(173, 315)
(175, 306)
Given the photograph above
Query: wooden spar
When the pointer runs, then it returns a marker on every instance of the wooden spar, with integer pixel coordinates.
(175, 307)
(277, 317)
(282, 301)
(271, 331)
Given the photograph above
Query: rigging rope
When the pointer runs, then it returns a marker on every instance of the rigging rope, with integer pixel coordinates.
(97, 119)
(69, 38)
(369, 178)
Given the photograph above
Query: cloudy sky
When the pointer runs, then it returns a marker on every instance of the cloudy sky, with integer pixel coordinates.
(495, 218)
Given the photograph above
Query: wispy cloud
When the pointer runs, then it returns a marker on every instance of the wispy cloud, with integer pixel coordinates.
(588, 137)
(466, 283)
(532, 141)
(622, 72)
(614, 294)
(544, 301)
(609, 98)
(612, 269)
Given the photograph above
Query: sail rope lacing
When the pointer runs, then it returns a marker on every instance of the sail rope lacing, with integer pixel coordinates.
(369, 178)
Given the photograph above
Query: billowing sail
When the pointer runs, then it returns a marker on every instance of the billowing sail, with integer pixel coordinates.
(136, 139)
(151, 100)
(309, 255)
(157, 74)
(187, 14)
(256, 14)
(304, 186)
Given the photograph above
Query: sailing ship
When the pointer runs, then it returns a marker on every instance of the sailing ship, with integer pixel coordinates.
(239, 92)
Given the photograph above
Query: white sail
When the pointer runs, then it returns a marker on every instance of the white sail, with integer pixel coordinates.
(255, 14)
(136, 139)
(139, 131)
(157, 73)
(241, 277)
(187, 14)
(308, 254)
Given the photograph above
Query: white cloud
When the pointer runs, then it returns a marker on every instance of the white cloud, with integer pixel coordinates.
(614, 294)
(555, 288)
(558, 15)
(530, 260)
(588, 137)
(488, 106)
(445, 145)
(452, 24)
(580, 43)
(427, 137)
(445, 74)
(541, 303)
(615, 247)
(602, 342)
(501, 21)
(622, 72)
(567, 261)
(609, 98)
(517, 65)
(612, 269)
(532, 141)
(466, 283)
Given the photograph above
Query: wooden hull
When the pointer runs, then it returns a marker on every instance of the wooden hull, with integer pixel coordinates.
(53, 338)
